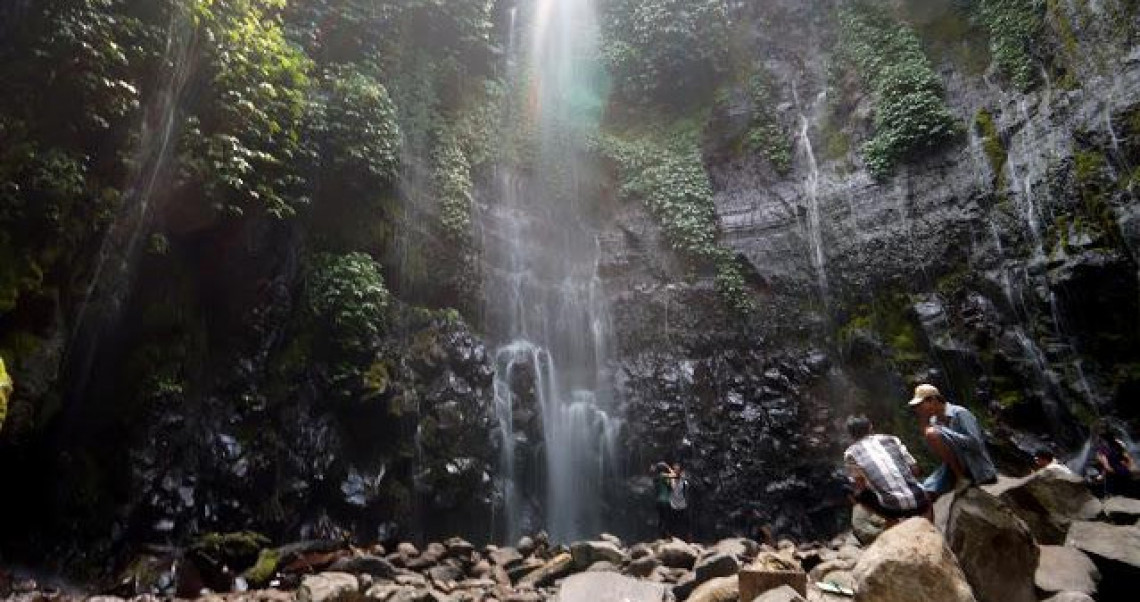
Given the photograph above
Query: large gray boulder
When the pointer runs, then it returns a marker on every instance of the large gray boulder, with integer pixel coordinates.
(1049, 502)
(365, 565)
(721, 589)
(1110, 542)
(1122, 510)
(586, 553)
(994, 548)
(1065, 569)
(609, 587)
(676, 554)
(910, 562)
(783, 593)
(715, 565)
(328, 587)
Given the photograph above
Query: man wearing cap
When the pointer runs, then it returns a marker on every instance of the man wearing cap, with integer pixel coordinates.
(953, 434)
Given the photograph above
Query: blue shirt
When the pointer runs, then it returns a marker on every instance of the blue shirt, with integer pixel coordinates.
(964, 437)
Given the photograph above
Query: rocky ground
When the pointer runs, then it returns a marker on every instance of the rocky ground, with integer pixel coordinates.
(1043, 537)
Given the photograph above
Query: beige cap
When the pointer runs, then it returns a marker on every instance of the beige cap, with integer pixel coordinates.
(922, 392)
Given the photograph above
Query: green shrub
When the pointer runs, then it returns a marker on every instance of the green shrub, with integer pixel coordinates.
(664, 50)
(910, 117)
(1016, 28)
(346, 293)
(360, 138)
(767, 136)
(239, 146)
(451, 177)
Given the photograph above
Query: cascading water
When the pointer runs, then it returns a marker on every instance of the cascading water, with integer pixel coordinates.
(814, 226)
(119, 251)
(544, 301)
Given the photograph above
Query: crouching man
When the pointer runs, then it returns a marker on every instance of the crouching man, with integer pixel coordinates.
(884, 474)
(953, 434)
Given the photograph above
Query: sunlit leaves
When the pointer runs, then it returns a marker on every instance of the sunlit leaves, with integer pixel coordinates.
(240, 144)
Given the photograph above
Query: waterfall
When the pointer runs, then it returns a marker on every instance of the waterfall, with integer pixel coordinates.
(811, 188)
(544, 304)
(118, 255)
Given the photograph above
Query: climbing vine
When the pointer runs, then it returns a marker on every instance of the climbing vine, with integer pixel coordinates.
(358, 127)
(910, 116)
(347, 293)
(451, 176)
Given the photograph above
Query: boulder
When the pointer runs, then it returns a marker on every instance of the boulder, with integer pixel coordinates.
(556, 568)
(642, 567)
(505, 557)
(407, 550)
(603, 565)
(586, 553)
(715, 565)
(457, 547)
(614, 539)
(444, 573)
(328, 587)
(866, 525)
(910, 562)
(994, 548)
(737, 547)
(676, 554)
(783, 593)
(721, 589)
(757, 578)
(609, 587)
(1070, 597)
(1065, 569)
(1049, 502)
(1110, 542)
(365, 565)
(1122, 510)
(524, 568)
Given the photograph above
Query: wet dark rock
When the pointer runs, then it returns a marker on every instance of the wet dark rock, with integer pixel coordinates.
(368, 565)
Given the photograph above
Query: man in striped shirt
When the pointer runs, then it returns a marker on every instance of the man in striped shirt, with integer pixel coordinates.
(884, 473)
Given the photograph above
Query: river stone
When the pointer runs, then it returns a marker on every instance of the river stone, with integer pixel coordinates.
(1065, 569)
(328, 587)
(642, 567)
(505, 557)
(715, 565)
(1122, 510)
(525, 545)
(407, 549)
(737, 547)
(609, 587)
(586, 553)
(910, 562)
(783, 593)
(610, 537)
(721, 589)
(435, 551)
(457, 547)
(994, 548)
(558, 567)
(366, 564)
(444, 573)
(640, 550)
(524, 568)
(1049, 502)
(676, 554)
(1111, 542)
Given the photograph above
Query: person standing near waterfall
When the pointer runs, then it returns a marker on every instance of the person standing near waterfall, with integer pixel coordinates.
(662, 491)
(679, 504)
(953, 434)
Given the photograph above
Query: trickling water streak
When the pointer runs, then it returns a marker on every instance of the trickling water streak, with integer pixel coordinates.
(811, 187)
(119, 251)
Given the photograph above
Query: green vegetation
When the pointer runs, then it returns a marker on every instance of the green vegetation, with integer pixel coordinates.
(451, 174)
(665, 51)
(263, 570)
(890, 319)
(359, 136)
(663, 169)
(1016, 29)
(767, 136)
(347, 294)
(992, 146)
(910, 117)
(238, 148)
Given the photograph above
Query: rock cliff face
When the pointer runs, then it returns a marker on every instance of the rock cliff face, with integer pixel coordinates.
(1002, 266)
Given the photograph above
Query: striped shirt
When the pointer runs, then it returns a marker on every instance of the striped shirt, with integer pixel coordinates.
(887, 466)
